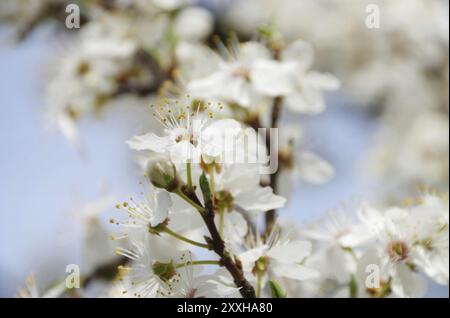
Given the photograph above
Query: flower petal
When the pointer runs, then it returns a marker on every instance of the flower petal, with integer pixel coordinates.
(314, 169)
(248, 258)
(259, 199)
(184, 151)
(306, 102)
(292, 252)
(163, 202)
(407, 283)
(273, 78)
(322, 81)
(294, 271)
(300, 52)
(251, 51)
(149, 141)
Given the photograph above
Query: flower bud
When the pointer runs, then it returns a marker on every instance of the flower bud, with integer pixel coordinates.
(163, 174)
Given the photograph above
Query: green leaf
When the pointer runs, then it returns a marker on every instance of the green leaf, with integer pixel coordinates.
(206, 190)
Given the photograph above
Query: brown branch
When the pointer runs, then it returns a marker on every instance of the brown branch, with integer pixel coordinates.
(275, 117)
(48, 11)
(106, 271)
(276, 112)
(234, 267)
(142, 61)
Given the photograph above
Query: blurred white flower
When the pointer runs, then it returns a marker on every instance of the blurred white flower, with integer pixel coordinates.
(31, 289)
(306, 97)
(193, 24)
(404, 239)
(296, 163)
(172, 4)
(246, 73)
(415, 151)
(430, 222)
(337, 237)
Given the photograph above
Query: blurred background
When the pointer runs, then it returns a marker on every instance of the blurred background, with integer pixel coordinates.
(385, 132)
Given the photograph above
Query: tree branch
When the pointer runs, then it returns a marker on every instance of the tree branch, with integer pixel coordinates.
(106, 271)
(276, 112)
(234, 267)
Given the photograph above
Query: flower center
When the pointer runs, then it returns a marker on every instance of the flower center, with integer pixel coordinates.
(165, 271)
(382, 291)
(224, 200)
(191, 293)
(243, 72)
(261, 265)
(398, 251)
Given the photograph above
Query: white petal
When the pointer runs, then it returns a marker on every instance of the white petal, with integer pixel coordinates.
(372, 218)
(235, 224)
(149, 141)
(69, 128)
(314, 169)
(219, 137)
(249, 257)
(239, 91)
(170, 5)
(251, 51)
(56, 291)
(240, 176)
(359, 235)
(193, 23)
(163, 202)
(294, 271)
(259, 199)
(214, 289)
(210, 86)
(273, 78)
(407, 283)
(300, 52)
(184, 151)
(311, 103)
(292, 252)
(322, 81)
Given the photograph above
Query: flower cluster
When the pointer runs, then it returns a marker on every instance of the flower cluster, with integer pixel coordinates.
(387, 69)
(381, 252)
(220, 164)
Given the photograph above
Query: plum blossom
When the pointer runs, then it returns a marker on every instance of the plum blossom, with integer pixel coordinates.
(189, 134)
(244, 76)
(277, 257)
(148, 214)
(239, 185)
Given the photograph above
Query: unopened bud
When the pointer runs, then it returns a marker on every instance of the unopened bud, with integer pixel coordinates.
(163, 174)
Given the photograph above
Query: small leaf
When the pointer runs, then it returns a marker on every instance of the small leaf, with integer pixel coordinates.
(204, 186)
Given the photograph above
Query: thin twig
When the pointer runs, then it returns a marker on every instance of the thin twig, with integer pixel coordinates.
(234, 267)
